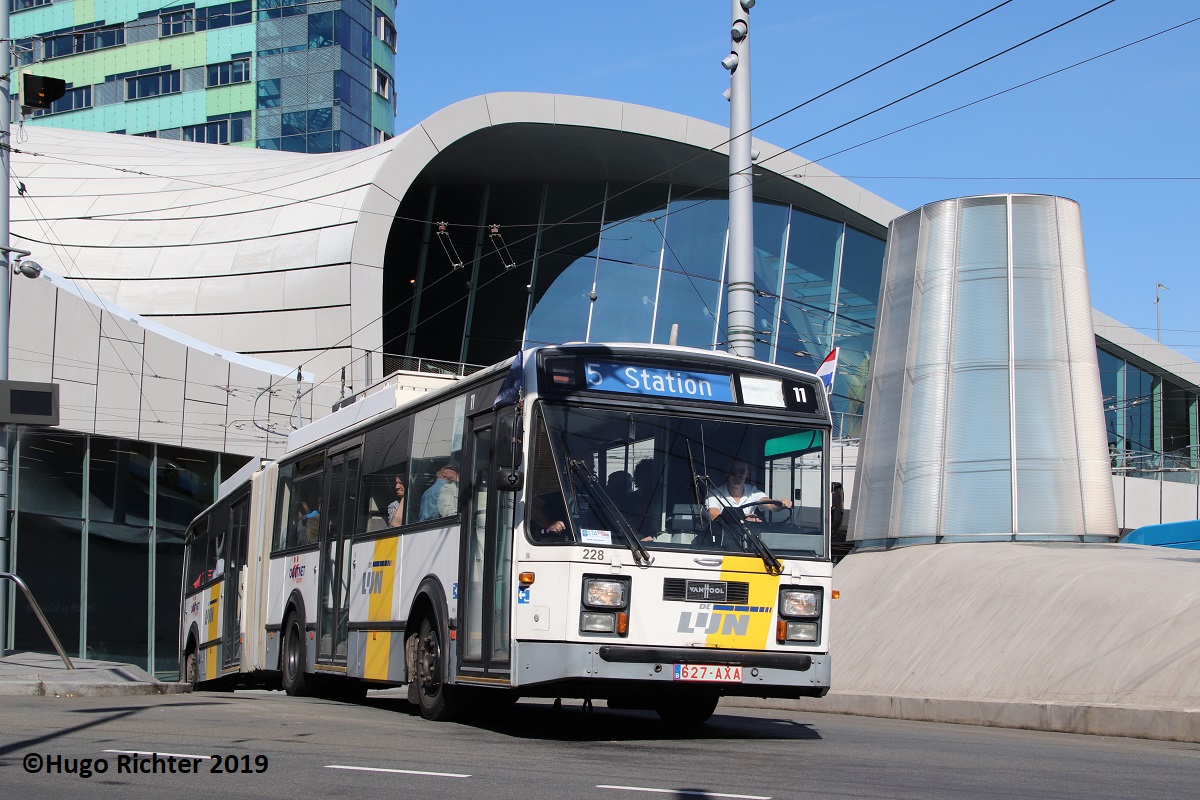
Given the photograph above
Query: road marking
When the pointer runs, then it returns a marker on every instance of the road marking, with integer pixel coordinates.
(151, 753)
(400, 771)
(686, 792)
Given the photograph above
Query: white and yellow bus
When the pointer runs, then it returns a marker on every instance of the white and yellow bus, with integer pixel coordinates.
(643, 524)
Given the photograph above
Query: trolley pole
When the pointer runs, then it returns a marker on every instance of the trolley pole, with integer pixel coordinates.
(740, 292)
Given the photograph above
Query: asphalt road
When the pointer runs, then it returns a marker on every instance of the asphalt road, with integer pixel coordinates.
(294, 748)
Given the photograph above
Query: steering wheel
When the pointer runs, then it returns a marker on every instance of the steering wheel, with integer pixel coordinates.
(777, 504)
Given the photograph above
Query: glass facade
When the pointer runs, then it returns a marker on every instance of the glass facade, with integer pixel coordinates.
(1152, 422)
(509, 265)
(331, 61)
(98, 537)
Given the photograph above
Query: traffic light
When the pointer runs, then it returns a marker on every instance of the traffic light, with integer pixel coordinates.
(41, 92)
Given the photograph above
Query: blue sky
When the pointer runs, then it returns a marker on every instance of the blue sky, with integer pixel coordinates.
(1092, 133)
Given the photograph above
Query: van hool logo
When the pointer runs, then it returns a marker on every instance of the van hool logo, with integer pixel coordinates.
(296, 571)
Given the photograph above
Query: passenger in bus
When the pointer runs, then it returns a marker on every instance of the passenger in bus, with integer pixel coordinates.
(644, 505)
(429, 500)
(310, 520)
(448, 499)
(219, 568)
(395, 509)
(619, 489)
(738, 493)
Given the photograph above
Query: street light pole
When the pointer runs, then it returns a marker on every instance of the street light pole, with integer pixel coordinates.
(5, 281)
(1158, 312)
(740, 292)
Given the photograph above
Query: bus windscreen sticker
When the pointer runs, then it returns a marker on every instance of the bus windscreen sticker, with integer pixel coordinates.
(611, 376)
(589, 536)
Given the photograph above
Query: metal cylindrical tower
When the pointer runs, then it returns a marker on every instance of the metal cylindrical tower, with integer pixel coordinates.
(984, 417)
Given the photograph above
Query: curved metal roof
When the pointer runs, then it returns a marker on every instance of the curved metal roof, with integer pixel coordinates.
(281, 254)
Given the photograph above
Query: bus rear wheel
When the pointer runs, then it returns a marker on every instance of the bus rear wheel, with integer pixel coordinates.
(690, 709)
(434, 697)
(295, 680)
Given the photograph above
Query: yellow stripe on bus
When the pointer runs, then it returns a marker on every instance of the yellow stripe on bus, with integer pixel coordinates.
(745, 626)
(381, 581)
(379, 646)
(214, 617)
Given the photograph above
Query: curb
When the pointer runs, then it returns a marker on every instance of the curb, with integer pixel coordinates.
(1102, 719)
(40, 688)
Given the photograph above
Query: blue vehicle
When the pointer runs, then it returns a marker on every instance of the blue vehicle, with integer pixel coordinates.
(1182, 535)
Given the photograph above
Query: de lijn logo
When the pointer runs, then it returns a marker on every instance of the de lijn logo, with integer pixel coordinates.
(725, 623)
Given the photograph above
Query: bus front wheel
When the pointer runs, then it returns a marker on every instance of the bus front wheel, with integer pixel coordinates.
(295, 681)
(435, 698)
(191, 669)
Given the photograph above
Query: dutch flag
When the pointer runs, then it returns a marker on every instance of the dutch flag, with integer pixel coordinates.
(827, 369)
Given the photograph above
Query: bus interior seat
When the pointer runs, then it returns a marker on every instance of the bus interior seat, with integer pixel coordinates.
(684, 518)
(809, 517)
(375, 518)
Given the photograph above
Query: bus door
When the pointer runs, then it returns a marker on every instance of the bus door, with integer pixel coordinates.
(485, 613)
(237, 539)
(337, 525)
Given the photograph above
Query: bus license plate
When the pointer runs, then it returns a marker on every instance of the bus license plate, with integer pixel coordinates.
(710, 673)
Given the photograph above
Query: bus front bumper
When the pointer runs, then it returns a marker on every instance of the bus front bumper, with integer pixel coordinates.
(769, 673)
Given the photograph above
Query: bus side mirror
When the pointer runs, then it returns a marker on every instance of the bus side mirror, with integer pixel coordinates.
(509, 440)
(510, 479)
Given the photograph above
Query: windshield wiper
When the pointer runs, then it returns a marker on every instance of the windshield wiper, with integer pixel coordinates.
(610, 511)
(773, 564)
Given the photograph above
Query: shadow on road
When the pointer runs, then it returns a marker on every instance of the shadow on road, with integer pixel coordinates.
(25, 744)
(573, 723)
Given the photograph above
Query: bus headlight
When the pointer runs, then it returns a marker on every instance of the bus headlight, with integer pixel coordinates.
(605, 604)
(804, 603)
(605, 593)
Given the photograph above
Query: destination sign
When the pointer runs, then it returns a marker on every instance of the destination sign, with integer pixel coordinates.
(613, 376)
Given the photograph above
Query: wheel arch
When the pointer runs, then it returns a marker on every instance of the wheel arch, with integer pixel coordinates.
(430, 597)
(190, 642)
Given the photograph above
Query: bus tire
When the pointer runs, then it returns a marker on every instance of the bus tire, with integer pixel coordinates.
(295, 679)
(435, 698)
(191, 669)
(689, 709)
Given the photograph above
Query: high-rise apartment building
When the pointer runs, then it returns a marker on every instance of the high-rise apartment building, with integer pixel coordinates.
(313, 77)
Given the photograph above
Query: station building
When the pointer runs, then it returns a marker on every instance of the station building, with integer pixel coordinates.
(201, 302)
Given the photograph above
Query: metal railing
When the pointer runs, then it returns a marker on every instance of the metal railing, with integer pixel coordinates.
(41, 617)
(396, 363)
(1179, 466)
(846, 425)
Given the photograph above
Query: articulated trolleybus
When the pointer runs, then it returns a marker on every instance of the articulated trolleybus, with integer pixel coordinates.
(642, 524)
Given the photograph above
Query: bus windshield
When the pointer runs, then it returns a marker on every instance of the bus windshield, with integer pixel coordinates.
(676, 483)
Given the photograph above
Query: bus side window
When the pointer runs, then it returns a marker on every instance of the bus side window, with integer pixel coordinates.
(285, 520)
(436, 442)
(205, 559)
(196, 573)
(386, 499)
(299, 512)
(306, 492)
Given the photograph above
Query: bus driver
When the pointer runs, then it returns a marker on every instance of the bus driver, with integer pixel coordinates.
(738, 493)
